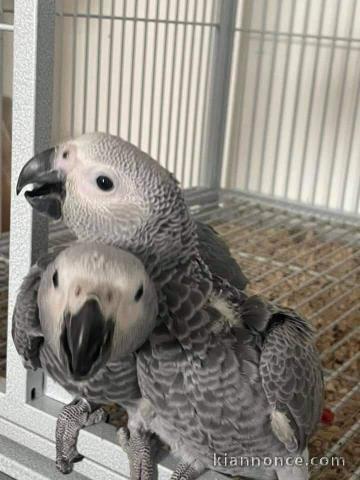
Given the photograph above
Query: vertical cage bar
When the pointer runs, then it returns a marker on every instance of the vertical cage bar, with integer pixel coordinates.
(219, 96)
(153, 75)
(351, 146)
(98, 70)
(110, 66)
(241, 68)
(188, 94)
(57, 127)
(259, 66)
(152, 98)
(311, 100)
(269, 94)
(133, 45)
(181, 89)
(121, 65)
(163, 68)
(143, 77)
(326, 101)
(341, 101)
(300, 72)
(197, 98)
(206, 92)
(86, 65)
(34, 30)
(282, 101)
(357, 204)
(173, 63)
(73, 70)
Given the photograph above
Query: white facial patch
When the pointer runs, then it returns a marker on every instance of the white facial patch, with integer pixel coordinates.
(114, 278)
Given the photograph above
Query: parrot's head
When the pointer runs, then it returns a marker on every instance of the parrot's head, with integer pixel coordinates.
(96, 305)
(106, 189)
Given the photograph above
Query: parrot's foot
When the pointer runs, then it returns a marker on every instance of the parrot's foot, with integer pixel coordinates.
(187, 471)
(140, 448)
(73, 417)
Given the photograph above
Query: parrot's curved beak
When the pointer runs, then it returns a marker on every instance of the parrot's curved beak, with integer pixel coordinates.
(49, 184)
(86, 339)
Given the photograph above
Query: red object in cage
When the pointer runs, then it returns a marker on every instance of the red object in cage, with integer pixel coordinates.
(327, 416)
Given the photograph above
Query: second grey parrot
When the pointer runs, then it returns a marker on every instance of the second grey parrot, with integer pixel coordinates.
(237, 387)
(81, 315)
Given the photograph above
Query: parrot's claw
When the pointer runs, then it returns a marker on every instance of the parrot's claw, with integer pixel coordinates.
(187, 471)
(97, 416)
(139, 448)
(65, 466)
(73, 417)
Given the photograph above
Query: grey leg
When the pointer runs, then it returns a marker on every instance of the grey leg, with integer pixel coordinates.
(188, 471)
(73, 417)
(139, 446)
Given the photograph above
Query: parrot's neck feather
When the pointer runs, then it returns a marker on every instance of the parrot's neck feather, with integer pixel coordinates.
(159, 229)
(165, 239)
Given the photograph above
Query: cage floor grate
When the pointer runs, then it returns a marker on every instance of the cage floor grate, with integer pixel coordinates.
(301, 260)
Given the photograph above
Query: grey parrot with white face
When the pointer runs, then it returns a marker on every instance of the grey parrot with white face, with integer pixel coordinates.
(106, 190)
(81, 314)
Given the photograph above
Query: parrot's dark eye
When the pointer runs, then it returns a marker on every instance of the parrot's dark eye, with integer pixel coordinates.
(139, 293)
(55, 279)
(104, 183)
(65, 154)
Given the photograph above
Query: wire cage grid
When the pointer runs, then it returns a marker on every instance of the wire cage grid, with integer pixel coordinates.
(179, 60)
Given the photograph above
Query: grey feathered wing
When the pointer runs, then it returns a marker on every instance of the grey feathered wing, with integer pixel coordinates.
(26, 329)
(217, 256)
(289, 367)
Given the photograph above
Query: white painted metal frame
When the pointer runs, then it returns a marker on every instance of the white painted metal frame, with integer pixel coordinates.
(27, 416)
(219, 96)
(2, 26)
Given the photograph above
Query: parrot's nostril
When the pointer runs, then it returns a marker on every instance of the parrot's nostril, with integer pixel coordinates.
(109, 296)
(77, 291)
(65, 154)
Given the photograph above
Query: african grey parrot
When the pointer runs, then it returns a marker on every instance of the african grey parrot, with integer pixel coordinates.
(81, 314)
(234, 381)
(106, 190)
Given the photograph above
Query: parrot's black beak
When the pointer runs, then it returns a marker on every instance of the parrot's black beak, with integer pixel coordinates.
(48, 192)
(86, 339)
